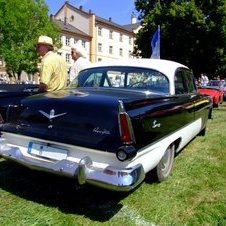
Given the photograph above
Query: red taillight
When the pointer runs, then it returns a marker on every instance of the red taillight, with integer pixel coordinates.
(125, 129)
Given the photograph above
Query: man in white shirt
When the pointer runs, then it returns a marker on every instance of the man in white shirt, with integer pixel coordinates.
(79, 55)
(204, 79)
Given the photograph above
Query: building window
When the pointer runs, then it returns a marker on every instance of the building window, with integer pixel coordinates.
(130, 54)
(110, 34)
(61, 40)
(120, 38)
(120, 52)
(99, 31)
(75, 41)
(84, 44)
(130, 40)
(67, 57)
(99, 59)
(110, 49)
(99, 47)
(67, 41)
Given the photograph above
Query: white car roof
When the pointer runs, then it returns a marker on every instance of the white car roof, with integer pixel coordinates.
(167, 67)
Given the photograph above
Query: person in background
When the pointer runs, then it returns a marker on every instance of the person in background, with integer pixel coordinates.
(80, 57)
(53, 73)
(204, 79)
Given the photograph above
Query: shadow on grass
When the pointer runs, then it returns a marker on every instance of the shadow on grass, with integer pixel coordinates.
(221, 107)
(54, 191)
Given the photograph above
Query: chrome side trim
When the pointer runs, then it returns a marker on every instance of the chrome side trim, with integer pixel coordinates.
(112, 178)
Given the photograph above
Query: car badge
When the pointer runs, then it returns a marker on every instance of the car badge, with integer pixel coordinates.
(155, 124)
(51, 114)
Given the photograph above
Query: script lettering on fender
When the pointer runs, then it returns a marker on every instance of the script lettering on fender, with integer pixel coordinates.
(101, 131)
(156, 124)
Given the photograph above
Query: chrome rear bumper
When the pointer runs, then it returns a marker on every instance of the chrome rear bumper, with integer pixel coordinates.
(112, 178)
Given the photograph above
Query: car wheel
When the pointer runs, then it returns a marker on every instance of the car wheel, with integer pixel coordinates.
(164, 167)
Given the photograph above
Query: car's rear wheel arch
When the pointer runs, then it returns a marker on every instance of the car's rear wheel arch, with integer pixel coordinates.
(163, 169)
(176, 143)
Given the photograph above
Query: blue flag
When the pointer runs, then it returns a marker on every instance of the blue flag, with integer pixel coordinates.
(155, 44)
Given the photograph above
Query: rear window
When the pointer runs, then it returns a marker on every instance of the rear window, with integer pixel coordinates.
(123, 77)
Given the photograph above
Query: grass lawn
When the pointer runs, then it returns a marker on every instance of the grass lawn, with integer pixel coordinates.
(195, 193)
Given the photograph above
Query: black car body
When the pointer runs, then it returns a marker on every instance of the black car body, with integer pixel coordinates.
(11, 94)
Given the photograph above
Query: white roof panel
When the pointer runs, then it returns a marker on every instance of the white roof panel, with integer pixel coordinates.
(166, 67)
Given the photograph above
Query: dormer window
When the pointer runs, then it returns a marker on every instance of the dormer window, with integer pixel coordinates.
(72, 18)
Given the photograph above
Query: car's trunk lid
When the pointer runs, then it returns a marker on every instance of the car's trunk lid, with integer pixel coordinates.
(85, 117)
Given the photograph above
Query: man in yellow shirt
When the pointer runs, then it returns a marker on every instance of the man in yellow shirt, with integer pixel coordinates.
(53, 66)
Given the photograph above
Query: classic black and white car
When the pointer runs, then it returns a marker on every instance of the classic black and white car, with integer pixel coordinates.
(117, 123)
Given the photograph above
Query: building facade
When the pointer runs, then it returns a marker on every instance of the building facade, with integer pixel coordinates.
(103, 39)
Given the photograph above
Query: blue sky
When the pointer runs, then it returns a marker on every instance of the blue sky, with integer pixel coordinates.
(119, 10)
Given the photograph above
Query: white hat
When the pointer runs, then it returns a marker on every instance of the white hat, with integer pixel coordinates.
(79, 49)
(45, 40)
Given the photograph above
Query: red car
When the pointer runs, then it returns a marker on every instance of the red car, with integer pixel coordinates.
(219, 85)
(217, 95)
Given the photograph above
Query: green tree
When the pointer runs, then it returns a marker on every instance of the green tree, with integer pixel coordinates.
(21, 23)
(192, 32)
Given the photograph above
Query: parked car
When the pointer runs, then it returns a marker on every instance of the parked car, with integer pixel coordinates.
(215, 94)
(219, 85)
(117, 123)
(11, 94)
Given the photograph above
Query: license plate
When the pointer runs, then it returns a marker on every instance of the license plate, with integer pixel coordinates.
(47, 151)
